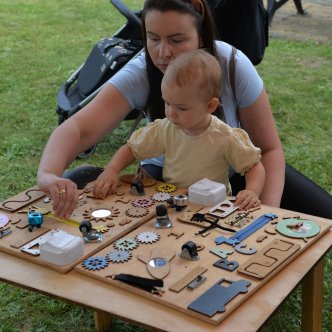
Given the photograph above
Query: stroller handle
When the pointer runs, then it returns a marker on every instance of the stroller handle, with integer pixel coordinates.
(126, 12)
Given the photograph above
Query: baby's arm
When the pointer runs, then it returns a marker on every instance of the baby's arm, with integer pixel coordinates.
(249, 197)
(108, 180)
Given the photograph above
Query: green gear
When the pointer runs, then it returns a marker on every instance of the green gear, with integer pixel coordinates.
(126, 243)
(166, 188)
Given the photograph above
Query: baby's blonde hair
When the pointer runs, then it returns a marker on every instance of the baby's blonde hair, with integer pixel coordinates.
(198, 69)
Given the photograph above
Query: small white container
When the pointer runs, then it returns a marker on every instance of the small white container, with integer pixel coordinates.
(207, 192)
(61, 248)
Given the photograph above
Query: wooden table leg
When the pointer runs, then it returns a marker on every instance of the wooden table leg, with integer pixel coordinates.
(103, 321)
(312, 299)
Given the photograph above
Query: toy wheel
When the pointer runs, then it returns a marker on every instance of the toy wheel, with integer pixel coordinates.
(85, 226)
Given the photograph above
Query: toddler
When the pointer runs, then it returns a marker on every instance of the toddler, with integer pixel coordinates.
(195, 143)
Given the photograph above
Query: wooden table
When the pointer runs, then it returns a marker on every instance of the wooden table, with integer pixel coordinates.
(109, 302)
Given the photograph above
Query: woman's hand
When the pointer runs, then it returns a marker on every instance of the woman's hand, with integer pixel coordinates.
(106, 183)
(247, 199)
(63, 193)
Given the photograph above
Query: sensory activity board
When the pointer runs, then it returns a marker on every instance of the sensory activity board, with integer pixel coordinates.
(110, 218)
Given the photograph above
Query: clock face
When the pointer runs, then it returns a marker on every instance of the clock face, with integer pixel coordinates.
(298, 228)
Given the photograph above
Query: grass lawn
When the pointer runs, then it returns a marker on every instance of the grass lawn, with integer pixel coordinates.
(43, 42)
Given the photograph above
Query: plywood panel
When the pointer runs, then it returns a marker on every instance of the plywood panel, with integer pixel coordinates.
(119, 223)
(181, 267)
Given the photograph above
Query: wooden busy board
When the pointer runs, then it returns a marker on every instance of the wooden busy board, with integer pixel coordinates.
(123, 217)
(223, 290)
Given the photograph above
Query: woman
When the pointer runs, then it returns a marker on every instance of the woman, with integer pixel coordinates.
(169, 28)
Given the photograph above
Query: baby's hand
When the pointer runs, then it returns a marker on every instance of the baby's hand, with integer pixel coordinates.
(106, 183)
(247, 199)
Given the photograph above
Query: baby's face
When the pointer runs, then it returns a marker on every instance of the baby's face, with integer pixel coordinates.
(186, 107)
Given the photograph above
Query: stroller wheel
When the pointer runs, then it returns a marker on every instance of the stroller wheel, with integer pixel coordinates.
(62, 116)
(87, 153)
(83, 174)
(61, 119)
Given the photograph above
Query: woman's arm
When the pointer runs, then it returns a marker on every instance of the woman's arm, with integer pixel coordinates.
(258, 122)
(75, 135)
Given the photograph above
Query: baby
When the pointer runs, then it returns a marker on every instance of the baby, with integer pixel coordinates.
(195, 143)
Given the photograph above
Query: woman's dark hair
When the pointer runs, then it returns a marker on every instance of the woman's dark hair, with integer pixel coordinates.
(206, 31)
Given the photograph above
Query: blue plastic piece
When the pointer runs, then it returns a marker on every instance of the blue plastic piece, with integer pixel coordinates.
(35, 219)
(247, 231)
(215, 298)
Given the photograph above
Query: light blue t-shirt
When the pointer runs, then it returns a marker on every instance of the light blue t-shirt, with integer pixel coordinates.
(132, 82)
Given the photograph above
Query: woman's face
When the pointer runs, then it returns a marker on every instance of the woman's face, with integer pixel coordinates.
(169, 34)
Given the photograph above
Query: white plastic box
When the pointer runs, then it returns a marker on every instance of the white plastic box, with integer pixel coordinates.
(61, 248)
(207, 192)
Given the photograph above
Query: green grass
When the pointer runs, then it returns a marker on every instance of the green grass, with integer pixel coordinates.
(298, 79)
(43, 42)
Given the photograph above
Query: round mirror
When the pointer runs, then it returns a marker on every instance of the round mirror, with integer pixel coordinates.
(158, 262)
(4, 220)
(101, 213)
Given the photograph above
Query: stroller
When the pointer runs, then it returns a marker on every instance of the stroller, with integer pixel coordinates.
(107, 57)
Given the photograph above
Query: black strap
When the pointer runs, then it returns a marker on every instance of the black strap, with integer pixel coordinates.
(149, 285)
(232, 71)
(201, 217)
